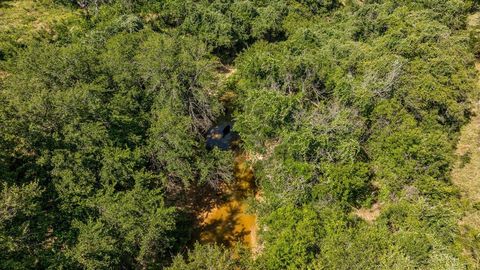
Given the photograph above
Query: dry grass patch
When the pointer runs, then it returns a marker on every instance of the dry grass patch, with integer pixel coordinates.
(466, 172)
(369, 214)
(3, 74)
(473, 20)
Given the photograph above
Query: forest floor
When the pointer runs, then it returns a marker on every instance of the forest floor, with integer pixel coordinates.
(466, 176)
(466, 172)
(369, 214)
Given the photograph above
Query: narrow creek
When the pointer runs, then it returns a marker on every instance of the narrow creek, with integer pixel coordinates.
(229, 222)
(222, 215)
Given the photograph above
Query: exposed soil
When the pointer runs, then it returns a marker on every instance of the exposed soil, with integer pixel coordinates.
(466, 172)
(369, 214)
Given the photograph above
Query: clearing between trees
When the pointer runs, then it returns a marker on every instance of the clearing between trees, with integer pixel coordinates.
(466, 173)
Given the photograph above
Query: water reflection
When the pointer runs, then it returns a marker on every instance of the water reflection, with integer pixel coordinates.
(229, 221)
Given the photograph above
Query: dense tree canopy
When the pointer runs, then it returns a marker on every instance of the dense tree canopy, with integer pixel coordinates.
(339, 105)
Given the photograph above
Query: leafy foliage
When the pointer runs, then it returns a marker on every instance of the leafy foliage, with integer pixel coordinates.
(339, 105)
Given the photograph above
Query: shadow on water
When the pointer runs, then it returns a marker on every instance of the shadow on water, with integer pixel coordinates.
(218, 215)
(229, 222)
(223, 225)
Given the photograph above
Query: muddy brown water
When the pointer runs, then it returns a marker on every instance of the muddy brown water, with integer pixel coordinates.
(230, 222)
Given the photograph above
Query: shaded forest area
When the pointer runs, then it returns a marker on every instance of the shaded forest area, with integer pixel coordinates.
(349, 113)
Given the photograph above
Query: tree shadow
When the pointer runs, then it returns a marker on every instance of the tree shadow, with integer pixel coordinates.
(5, 4)
(215, 215)
(226, 229)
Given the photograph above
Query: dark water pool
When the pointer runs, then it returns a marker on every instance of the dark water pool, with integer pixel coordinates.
(222, 136)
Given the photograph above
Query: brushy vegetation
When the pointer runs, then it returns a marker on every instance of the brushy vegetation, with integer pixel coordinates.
(340, 105)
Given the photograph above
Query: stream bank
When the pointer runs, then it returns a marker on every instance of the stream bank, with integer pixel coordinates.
(228, 220)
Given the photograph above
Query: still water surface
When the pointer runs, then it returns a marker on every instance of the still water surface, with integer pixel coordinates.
(229, 222)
